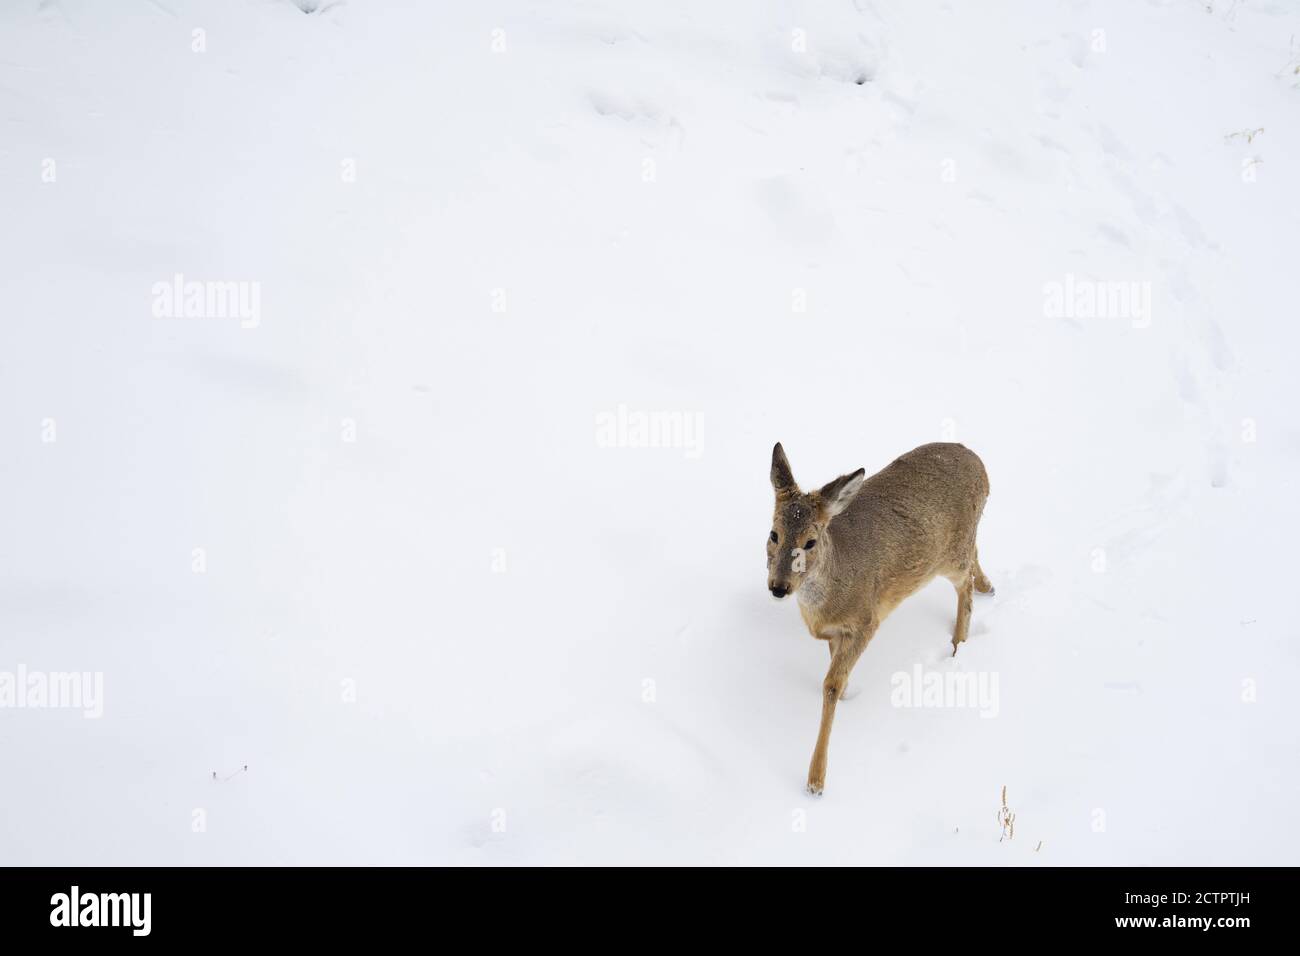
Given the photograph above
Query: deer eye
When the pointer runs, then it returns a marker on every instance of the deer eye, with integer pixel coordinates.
(773, 537)
(809, 545)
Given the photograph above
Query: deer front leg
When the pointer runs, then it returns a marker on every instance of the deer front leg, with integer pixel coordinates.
(844, 654)
(850, 690)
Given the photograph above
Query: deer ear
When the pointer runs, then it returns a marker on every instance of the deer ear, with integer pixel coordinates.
(782, 476)
(837, 495)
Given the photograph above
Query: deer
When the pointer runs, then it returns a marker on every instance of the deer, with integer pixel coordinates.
(852, 551)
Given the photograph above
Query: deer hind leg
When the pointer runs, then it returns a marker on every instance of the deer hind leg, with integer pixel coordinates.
(964, 582)
(847, 650)
(982, 582)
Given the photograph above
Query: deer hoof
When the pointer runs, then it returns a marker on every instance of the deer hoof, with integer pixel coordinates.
(814, 789)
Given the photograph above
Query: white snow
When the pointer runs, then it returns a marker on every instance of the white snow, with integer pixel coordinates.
(444, 620)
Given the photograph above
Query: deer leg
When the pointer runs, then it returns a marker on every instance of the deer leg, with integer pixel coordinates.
(845, 654)
(964, 583)
(982, 582)
(850, 689)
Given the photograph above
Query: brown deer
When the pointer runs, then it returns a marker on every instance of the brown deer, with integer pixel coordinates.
(852, 550)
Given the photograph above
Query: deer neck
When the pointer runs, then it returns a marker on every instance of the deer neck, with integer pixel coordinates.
(816, 586)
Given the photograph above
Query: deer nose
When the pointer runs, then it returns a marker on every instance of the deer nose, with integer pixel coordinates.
(779, 591)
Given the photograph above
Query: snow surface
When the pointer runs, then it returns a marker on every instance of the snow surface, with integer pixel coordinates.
(647, 191)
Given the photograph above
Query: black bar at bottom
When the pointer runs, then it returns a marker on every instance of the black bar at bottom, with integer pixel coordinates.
(334, 906)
